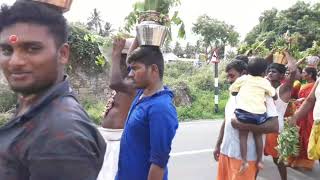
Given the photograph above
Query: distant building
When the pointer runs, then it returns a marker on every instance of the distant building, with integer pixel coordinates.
(171, 57)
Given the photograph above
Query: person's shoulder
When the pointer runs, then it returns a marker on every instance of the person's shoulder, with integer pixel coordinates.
(66, 112)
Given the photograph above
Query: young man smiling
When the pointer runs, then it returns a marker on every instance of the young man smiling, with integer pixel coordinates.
(50, 136)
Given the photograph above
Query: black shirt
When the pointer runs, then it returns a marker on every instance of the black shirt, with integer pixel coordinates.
(53, 140)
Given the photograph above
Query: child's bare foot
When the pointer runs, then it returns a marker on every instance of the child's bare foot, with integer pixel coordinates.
(244, 166)
(260, 165)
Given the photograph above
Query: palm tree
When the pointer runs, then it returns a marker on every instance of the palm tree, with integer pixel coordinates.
(95, 21)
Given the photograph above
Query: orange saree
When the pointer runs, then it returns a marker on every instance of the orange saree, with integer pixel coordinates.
(305, 125)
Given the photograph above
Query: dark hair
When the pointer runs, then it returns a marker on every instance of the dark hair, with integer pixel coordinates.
(311, 71)
(299, 69)
(243, 58)
(24, 11)
(279, 67)
(237, 65)
(148, 55)
(257, 66)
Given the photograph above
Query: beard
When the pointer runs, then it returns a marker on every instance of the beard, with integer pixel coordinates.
(32, 89)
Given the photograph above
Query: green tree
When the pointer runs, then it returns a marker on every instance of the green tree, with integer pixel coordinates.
(166, 47)
(215, 33)
(95, 22)
(301, 20)
(190, 51)
(177, 50)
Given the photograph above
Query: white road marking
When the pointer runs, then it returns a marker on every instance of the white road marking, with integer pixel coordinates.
(190, 152)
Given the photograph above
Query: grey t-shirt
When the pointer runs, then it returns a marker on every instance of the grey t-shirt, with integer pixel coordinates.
(54, 140)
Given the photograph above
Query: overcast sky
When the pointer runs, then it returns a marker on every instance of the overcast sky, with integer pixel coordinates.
(243, 14)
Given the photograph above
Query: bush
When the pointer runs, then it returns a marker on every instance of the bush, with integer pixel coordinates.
(8, 100)
(200, 81)
(95, 110)
(4, 118)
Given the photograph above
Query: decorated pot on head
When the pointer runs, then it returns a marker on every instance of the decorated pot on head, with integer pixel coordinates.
(150, 31)
(280, 58)
(312, 61)
(64, 5)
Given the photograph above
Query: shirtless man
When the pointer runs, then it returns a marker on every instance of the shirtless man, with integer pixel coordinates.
(117, 108)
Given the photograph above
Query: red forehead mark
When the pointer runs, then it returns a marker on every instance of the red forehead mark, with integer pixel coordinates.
(13, 39)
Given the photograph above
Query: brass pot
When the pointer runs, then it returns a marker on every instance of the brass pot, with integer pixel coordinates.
(64, 5)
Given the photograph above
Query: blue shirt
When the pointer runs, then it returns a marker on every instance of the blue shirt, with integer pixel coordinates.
(151, 125)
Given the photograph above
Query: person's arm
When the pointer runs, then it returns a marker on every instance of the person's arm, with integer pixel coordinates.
(66, 155)
(163, 122)
(306, 106)
(117, 81)
(269, 126)
(155, 172)
(216, 151)
(286, 87)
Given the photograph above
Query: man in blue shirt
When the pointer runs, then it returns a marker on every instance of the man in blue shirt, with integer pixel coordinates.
(152, 120)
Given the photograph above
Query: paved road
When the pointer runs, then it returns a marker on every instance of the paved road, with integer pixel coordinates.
(192, 158)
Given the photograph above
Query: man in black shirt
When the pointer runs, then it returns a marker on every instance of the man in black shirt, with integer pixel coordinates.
(50, 137)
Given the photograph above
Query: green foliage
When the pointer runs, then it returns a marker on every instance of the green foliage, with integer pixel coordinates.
(288, 142)
(302, 20)
(161, 6)
(215, 33)
(85, 50)
(7, 100)
(4, 118)
(95, 110)
(201, 85)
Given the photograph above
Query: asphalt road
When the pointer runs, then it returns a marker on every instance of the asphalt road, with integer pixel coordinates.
(192, 159)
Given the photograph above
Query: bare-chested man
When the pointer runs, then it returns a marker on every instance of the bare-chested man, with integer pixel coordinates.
(117, 107)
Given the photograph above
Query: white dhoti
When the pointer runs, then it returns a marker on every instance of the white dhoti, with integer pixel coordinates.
(110, 164)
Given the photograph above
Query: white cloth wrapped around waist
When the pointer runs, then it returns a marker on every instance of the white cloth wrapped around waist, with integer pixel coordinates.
(111, 134)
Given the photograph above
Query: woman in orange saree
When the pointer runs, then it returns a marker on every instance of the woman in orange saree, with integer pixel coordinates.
(309, 74)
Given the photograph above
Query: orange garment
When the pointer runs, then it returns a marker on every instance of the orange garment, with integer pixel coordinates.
(228, 169)
(271, 144)
(305, 125)
(294, 95)
(295, 89)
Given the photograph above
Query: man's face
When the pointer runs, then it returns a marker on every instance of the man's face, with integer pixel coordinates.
(274, 74)
(139, 75)
(232, 75)
(31, 62)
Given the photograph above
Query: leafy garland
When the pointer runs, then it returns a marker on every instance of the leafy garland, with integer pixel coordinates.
(288, 142)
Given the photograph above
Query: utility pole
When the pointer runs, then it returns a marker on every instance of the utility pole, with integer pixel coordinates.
(215, 61)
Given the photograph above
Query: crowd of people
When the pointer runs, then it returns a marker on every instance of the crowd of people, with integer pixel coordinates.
(295, 86)
(51, 137)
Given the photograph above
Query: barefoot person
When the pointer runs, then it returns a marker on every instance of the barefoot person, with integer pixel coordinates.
(227, 150)
(251, 91)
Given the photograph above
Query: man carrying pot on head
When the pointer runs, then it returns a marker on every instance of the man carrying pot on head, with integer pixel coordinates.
(152, 119)
(117, 108)
(50, 136)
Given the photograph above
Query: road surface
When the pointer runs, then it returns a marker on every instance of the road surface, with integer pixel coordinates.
(192, 159)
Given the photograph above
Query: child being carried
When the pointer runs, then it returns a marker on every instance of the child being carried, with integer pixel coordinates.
(251, 91)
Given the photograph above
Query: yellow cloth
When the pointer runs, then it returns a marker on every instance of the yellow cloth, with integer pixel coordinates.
(314, 142)
(252, 92)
